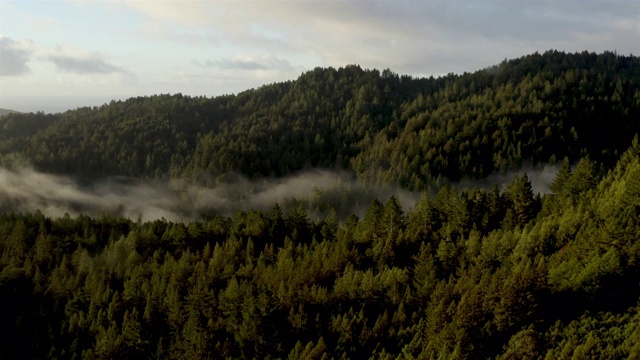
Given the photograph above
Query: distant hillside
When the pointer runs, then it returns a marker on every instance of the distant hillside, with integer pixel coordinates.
(386, 127)
(6, 111)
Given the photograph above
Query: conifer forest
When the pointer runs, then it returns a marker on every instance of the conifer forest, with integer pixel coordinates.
(470, 269)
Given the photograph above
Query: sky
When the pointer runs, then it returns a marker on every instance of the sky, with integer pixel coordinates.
(59, 55)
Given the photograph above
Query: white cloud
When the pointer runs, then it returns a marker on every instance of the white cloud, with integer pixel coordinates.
(14, 56)
(193, 13)
(81, 62)
(160, 32)
(251, 62)
(83, 66)
(409, 37)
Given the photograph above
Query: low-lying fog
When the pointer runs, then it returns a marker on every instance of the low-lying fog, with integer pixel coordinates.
(26, 190)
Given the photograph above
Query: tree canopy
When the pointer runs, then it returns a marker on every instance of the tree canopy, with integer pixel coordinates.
(387, 128)
(500, 273)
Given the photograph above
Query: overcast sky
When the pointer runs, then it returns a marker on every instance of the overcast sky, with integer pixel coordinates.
(58, 55)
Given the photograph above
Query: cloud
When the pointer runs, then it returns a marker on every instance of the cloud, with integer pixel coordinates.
(159, 40)
(238, 64)
(81, 62)
(14, 56)
(83, 65)
(410, 37)
(249, 62)
(161, 32)
(196, 13)
(317, 190)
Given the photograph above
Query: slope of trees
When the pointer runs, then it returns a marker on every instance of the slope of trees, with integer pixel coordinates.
(387, 128)
(478, 274)
(500, 273)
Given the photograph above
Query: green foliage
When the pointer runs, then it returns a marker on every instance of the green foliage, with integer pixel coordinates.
(392, 129)
(470, 274)
(559, 282)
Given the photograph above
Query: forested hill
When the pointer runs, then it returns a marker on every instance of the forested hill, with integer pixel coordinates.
(471, 275)
(6, 111)
(476, 274)
(387, 128)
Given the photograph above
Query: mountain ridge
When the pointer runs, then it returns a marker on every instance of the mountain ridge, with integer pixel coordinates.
(388, 128)
(499, 273)
(7, 111)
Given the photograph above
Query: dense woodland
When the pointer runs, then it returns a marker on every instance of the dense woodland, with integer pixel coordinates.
(387, 128)
(472, 275)
(476, 273)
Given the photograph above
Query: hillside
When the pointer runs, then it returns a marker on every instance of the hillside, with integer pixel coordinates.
(471, 275)
(6, 111)
(499, 272)
(387, 128)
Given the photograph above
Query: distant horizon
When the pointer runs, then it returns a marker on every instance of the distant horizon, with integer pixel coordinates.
(90, 101)
(61, 55)
(55, 103)
(100, 101)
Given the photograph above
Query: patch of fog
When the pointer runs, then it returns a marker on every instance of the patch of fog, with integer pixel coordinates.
(540, 177)
(316, 190)
(26, 190)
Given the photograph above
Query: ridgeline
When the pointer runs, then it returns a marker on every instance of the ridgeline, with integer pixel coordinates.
(387, 128)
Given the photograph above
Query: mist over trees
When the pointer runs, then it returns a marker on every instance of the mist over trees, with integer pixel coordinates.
(473, 274)
(500, 271)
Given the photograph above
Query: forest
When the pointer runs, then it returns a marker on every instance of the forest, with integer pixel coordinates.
(387, 128)
(465, 273)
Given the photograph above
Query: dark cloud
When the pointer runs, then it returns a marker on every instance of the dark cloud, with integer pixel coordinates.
(83, 66)
(14, 57)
